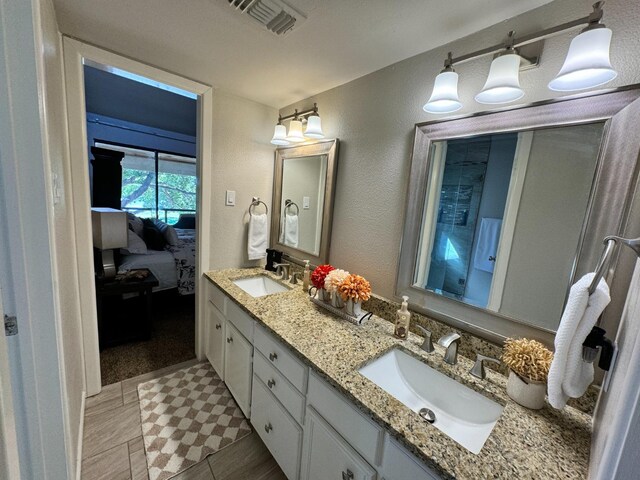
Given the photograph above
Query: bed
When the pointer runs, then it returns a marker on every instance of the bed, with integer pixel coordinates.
(174, 267)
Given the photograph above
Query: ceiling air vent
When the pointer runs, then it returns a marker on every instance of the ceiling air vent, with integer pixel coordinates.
(275, 15)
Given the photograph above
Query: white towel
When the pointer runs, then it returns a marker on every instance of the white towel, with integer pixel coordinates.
(487, 246)
(570, 376)
(291, 230)
(257, 241)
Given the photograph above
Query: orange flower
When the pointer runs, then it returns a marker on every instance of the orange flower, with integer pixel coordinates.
(356, 288)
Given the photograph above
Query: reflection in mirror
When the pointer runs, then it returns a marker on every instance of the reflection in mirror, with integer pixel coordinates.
(504, 217)
(302, 202)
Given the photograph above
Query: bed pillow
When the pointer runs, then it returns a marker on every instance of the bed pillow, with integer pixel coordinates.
(170, 234)
(153, 237)
(135, 245)
(135, 224)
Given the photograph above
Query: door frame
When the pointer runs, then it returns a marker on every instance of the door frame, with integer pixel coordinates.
(75, 55)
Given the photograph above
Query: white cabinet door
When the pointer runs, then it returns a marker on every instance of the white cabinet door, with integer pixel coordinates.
(238, 367)
(216, 324)
(327, 456)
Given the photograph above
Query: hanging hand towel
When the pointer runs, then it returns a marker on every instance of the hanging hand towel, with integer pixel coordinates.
(487, 246)
(291, 230)
(257, 242)
(570, 376)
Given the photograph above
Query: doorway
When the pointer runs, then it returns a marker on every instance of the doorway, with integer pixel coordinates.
(77, 56)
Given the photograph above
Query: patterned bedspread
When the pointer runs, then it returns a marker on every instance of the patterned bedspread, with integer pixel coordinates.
(184, 254)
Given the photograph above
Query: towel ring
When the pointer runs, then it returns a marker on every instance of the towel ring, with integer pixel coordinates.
(288, 203)
(256, 202)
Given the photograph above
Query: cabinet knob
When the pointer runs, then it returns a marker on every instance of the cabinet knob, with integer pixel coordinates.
(271, 383)
(348, 475)
(229, 339)
(268, 427)
(218, 326)
(273, 356)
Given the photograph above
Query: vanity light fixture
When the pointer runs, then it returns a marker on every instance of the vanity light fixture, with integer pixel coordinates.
(295, 135)
(587, 65)
(444, 98)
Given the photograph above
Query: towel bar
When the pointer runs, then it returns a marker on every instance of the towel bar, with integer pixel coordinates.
(255, 202)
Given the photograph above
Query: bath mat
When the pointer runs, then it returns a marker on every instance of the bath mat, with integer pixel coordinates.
(187, 416)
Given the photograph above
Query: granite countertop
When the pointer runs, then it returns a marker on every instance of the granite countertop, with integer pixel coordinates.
(523, 444)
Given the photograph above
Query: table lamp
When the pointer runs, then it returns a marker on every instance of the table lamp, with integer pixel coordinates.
(109, 232)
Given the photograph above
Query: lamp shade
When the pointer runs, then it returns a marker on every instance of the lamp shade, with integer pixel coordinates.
(295, 132)
(109, 228)
(314, 127)
(587, 64)
(503, 82)
(444, 98)
(280, 136)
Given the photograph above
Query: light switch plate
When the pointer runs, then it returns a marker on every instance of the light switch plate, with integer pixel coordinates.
(305, 203)
(230, 200)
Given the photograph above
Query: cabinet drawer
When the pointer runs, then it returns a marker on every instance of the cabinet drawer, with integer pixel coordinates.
(217, 297)
(279, 432)
(238, 367)
(289, 397)
(327, 456)
(361, 433)
(240, 319)
(398, 464)
(293, 370)
(215, 338)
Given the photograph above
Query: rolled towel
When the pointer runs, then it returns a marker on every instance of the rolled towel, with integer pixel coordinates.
(257, 242)
(570, 376)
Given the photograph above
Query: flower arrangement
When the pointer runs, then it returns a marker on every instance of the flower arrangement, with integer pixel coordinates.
(319, 274)
(334, 279)
(527, 358)
(356, 288)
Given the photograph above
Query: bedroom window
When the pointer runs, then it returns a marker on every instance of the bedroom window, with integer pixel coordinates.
(156, 184)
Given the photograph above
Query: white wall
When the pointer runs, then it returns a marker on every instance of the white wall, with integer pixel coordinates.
(374, 118)
(242, 161)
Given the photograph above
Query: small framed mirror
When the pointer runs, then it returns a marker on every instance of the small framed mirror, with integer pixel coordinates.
(303, 190)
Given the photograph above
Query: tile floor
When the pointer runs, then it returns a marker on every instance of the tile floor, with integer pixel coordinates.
(113, 448)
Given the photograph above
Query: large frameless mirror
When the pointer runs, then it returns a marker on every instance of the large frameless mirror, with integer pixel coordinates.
(304, 181)
(506, 210)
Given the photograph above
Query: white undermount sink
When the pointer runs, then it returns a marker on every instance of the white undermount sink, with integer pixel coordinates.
(460, 412)
(260, 285)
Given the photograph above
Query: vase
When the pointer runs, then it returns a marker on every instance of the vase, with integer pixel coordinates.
(324, 295)
(526, 392)
(336, 300)
(354, 308)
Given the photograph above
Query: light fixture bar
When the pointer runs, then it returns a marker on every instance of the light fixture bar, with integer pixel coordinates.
(297, 114)
(591, 19)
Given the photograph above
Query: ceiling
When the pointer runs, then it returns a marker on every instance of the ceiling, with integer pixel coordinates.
(341, 40)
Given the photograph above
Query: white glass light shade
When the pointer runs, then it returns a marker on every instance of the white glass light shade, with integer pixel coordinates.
(295, 132)
(314, 127)
(280, 136)
(503, 82)
(587, 64)
(444, 98)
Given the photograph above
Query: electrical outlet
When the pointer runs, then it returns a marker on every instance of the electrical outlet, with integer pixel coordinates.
(230, 200)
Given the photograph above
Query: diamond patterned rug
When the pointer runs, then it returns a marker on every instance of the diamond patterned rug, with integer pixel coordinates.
(187, 416)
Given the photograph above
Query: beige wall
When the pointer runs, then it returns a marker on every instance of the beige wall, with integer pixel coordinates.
(70, 328)
(242, 161)
(374, 118)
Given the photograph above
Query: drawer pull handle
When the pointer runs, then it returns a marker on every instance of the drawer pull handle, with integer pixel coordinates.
(268, 427)
(273, 356)
(229, 339)
(348, 475)
(271, 383)
(218, 326)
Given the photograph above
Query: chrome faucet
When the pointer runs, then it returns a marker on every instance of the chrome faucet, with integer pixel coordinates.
(427, 344)
(478, 370)
(450, 342)
(282, 269)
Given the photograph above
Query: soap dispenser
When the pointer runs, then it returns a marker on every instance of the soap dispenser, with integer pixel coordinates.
(306, 277)
(403, 317)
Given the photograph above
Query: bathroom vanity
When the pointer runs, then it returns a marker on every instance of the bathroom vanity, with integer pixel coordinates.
(295, 372)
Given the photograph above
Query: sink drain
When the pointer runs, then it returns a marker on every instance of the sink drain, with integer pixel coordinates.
(427, 414)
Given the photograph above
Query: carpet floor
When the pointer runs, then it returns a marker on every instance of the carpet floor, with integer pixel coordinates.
(172, 341)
